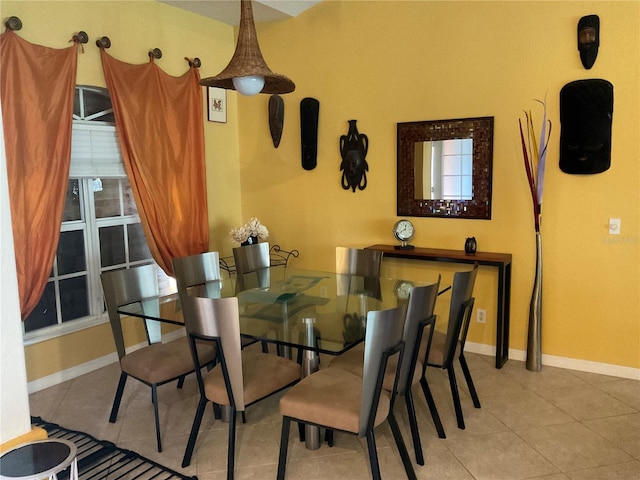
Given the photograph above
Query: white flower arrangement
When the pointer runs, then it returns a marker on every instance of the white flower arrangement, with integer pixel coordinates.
(253, 228)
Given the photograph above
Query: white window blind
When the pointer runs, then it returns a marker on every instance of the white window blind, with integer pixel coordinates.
(95, 152)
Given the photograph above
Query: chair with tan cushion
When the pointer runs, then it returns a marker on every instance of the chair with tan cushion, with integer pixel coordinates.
(342, 401)
(157, 363)
(358, 261)
(419, 319)
(241, 377)
(199, 269)
(449, 346)
(203, 270)
(252, 259)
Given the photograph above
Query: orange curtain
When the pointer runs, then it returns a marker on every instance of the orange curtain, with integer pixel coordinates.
(37, 90)
(159, 124)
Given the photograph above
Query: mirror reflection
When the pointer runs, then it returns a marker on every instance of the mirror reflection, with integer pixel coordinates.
(444, 168)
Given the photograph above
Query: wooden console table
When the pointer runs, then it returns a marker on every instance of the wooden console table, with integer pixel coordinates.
(500, 260)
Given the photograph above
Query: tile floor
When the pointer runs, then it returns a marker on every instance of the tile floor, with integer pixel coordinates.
(554, 425)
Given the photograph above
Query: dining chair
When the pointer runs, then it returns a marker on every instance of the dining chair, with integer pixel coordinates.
(253, 264)
(156, 363)
(251, 258)
(449, 346)
(358, 272)
(241, 377)
(199, 269)
(203, 270)
(419, 325)
(342, 401)
(358, 261)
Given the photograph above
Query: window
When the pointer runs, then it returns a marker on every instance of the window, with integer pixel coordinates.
(100, 227)
(452, 169)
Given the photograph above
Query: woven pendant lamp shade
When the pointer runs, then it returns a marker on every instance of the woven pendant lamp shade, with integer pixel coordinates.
(247, 60)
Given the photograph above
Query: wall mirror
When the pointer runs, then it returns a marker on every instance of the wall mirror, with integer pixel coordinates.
(444, 168)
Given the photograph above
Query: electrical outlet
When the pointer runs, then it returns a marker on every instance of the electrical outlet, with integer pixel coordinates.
(481, 315)
(614, 226)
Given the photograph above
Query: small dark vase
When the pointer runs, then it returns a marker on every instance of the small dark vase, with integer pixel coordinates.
(470, 246)
(250, 241)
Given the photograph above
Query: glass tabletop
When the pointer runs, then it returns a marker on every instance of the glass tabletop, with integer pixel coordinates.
(314, 310)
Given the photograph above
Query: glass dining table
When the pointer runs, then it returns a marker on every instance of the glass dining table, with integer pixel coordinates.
(312, 312)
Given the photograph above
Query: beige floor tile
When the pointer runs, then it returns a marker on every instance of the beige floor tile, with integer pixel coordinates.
(585, 402)
(572, 446)
(625, 390)
(499, 456)
(623, 431)
(620, 471)
(525, 410)
(547, 378)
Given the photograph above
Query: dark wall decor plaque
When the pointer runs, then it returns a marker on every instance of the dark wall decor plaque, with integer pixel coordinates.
(586, 116)
(276, 118)
(309, 110)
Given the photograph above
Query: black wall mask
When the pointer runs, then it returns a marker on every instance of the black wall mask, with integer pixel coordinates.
(586, 115)
(588, 39)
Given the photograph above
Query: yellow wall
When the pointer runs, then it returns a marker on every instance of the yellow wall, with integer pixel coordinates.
(388, 62)
(135, 28)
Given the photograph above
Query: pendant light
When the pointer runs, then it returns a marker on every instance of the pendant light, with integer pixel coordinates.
(247, 71)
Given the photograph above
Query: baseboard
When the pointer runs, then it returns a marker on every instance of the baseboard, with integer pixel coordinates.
(561, 362)
(87, 367)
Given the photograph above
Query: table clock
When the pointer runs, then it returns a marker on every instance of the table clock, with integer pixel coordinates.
(403, 231)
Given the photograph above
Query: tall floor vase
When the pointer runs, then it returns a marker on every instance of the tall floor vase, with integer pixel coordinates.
(534, 340)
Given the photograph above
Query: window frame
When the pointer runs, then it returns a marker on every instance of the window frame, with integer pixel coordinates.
(85, 172)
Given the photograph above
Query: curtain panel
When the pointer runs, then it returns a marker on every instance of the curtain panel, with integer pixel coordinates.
(161, 134)
(37, 90)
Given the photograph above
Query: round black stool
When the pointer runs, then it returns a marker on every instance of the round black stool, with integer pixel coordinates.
(39, 460)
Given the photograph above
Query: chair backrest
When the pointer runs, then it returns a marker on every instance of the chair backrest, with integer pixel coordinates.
(459, 311)
(358, 261)
(251, 257)
(358, 271)
(382, 339)
(122, 287)
(217, 319)
(252, 266)
(200, 269)
(422, 302)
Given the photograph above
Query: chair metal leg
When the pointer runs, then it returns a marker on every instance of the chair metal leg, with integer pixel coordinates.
(456, 397)
(217, 413)
(181, 381)
(402, 449)
(328, 437)
(231, 450)
(373, 456)
(154, 400)
(284, 446)
(467, 376)
(301, 432)
(432, 407)
(118, 398)
(197, 420)
(413, 422)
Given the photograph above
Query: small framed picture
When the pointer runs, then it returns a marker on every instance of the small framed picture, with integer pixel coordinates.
(217, 104)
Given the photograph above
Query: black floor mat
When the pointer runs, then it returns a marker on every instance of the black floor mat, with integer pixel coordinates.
(100, 459)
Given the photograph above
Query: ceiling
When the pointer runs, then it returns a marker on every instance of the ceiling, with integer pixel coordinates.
(228, 11)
